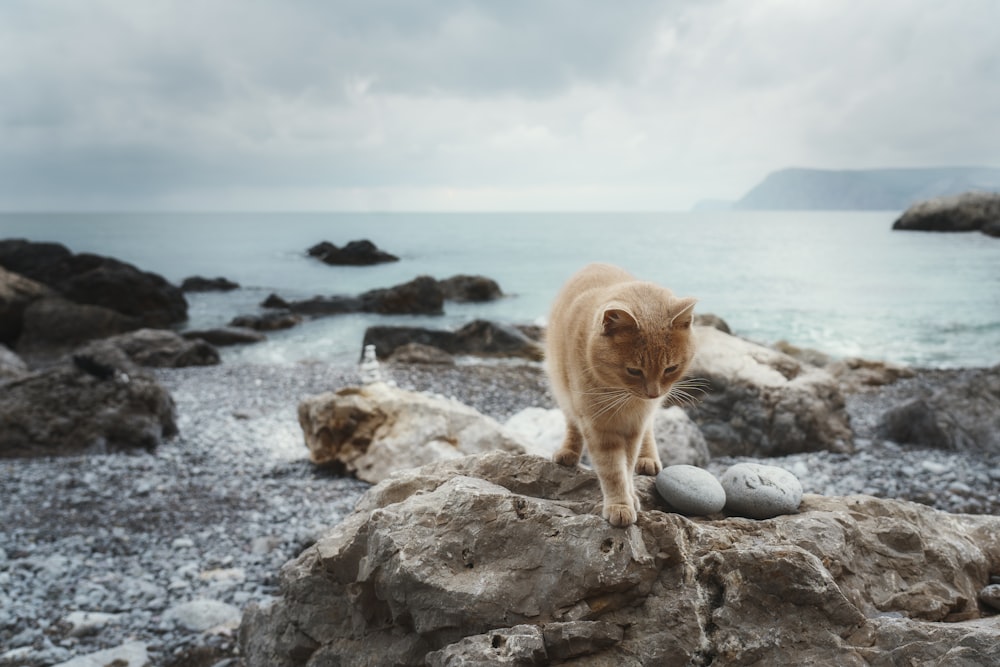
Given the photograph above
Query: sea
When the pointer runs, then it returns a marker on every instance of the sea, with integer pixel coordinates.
(842, 283)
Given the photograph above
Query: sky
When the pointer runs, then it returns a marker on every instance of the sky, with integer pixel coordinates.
(447, 105)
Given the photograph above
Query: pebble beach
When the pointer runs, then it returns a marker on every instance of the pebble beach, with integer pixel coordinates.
(163, 551)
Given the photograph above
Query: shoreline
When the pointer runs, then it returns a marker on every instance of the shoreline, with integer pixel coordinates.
(214, 513)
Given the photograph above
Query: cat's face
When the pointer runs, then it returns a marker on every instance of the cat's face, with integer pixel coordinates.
(644, 358)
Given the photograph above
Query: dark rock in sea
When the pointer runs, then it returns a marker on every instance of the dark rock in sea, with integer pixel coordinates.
(479, 338)
(225, 336)
(961, 213)
(355, 253)
(96, 402)
(199, 284)
(421, 296)
(956, 410)
(54, 326)
(274, 301)
(16, 294)
(158, 348)
(267, 322)
(470, 288)
(327, 305)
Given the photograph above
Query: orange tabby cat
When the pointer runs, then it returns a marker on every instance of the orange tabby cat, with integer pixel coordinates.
(615, 347)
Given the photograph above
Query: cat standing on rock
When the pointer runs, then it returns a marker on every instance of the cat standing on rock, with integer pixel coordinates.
(615, 348)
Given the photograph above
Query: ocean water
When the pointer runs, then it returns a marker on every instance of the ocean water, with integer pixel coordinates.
(839, 282)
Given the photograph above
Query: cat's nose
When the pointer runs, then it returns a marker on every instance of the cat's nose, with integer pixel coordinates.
(653, 392)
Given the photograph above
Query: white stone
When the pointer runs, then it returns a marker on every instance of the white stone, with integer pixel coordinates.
(201, 615)
(82, 623)
(760, 491)
(133, 654)
(691, 490)
(541, 431)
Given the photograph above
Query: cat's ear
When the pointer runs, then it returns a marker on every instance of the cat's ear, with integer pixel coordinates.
(615, 318)
(684, 309)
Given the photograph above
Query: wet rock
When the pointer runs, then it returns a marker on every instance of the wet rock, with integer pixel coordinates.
(355, 253)
(463, 288)
(319, 306)
(485, 558)
(760, 491)
(690, 490)
(225, 336)
(372, 431)
(200, 284)
(760, 402)
(966, 212)
(159, 348)
(273, 321)
(421, 296)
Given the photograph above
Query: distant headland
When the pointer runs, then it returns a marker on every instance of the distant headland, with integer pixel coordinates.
(859, 189)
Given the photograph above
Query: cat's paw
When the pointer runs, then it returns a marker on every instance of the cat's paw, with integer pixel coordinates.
(566, 457)
(647, 466)
(620, 515)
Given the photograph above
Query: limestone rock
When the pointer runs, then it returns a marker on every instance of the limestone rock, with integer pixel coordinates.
(502, 557)
(761, 402)
(372, 431)
(87, 404)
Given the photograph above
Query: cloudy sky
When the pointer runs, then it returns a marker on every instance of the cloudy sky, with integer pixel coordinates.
(451, 105)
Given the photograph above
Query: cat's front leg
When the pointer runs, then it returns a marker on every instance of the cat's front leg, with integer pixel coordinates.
(649, 456)
(610, 456)
(572, 448)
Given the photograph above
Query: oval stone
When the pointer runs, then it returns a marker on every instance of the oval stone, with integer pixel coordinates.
(690, 490)
(760, 491)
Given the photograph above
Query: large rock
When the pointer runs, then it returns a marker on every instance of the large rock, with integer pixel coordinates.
(355, 253)
(270, 321)
(96, 280)
(90, 403)
(500, 559)
(421, 296)
(760, 402)
(479, 338)
(225, 336)
(202, 284)
(966, 212)
(158, 348)
(464, 287)
(53, 326)
(372, 431)
(16, 294)
(949, 409)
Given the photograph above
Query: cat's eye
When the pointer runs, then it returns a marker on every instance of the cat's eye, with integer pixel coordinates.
(670, 369)
(634, 372)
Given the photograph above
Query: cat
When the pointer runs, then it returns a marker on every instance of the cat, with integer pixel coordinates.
(615, 347)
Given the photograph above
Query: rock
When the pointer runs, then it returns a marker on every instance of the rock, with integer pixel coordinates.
(478, 338)
(803, 354)
(678, 438)
(540, 430)
(448, 564)
(54, 326)
(159, 348)
(420, 296)
(16, 294)
(274, 301)
(690, 490)
(760, 402)
(84, 623)
(11, 365)
(470, 288)
(952, 409)
(99, 281)
(856, 374)
(373, 431)
(225, 336)
(990, 596)
(327, 305)
(415, 353)
(355, 253)
(760, 491)
(966, 212)
(87, 404)
(714, 321)
(132, 654)
(203, 615)
(266, 322)
(199, 284)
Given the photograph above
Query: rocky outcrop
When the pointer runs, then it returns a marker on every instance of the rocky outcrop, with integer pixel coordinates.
(966, 212)
(355, 253)
(225, 336)
(53, 326)
(478, 338)
(157, 348)
(95, 280)
(464, 288)
(372, 431)
(200, 284)
(91, 403)
(16, 294)
(421, 296)
(950, 409)
(760, 402)
(500, 559)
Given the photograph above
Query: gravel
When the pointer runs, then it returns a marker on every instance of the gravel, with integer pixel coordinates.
(166, 549)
